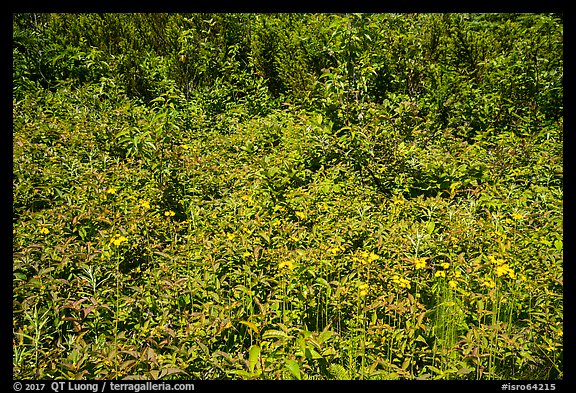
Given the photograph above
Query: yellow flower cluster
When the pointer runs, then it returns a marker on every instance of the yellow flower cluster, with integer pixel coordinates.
(336, 249)
(118, 240)
(169, 213)
(363, 290)
(504, 269)
(369, 257)
(366, 257)
(489, 283)
(247, 198)
(495, 261)
(287, 264)
(44, 231)
(144, 204)
(398, 200)
(420, 263)
(300, 215)
(401, 281)
(454, 275)
(501, 267)
(517, 216)
(111, 191)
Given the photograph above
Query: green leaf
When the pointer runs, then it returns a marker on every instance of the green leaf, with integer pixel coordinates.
(294, 368)
(265, 237)
(313, 343)
(405, 363)
(158, 99)
(275, 334)
(325, 336)
(558, 244)
(421, 339)
(251, 325)
(464, 371)
(430, 225)
(253, 356)
(311, 353)
(339, 372)
(329, 352)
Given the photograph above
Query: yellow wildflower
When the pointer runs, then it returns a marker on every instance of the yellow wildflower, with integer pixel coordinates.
(420, 263)
(517, 216)
(169, 213)
(440, 273)
(495, 261)
(44, 231)
(453, 283)
(246, 254)
(230, 236)
(364, 257)
(184, 146)
(445, 265)
(501, 270)
(118, 240)
(111, 191)
(373, 257)
(287, 264)
(300, 215)
(336, 249)
(144, 203)
(487, 282)
(400, 281)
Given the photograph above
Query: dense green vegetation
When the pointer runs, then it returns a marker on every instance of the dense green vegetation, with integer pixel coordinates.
(287, 196)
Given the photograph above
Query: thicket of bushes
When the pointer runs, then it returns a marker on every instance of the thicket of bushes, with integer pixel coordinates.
(512, 63)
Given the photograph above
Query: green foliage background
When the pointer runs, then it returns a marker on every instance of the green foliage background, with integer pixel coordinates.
(287, 196)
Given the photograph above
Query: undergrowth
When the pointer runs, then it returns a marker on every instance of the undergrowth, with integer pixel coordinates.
(403, 220)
